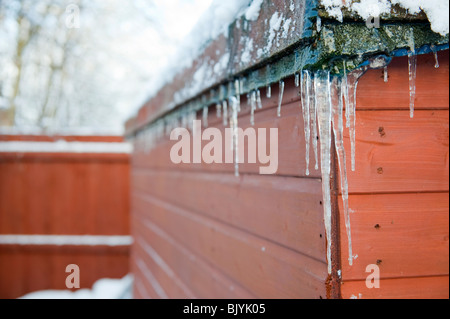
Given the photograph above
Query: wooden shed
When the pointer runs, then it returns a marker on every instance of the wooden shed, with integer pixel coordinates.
(223, 230)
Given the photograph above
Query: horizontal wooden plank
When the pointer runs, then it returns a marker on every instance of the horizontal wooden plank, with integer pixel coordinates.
(397, 154)
(406, 234)
(281, 209)
(202, 278)
(147, 282)
(291, 146)
(431, 85)
(266, 269)
(163, 273)
(64, 198)
(25, 269)
(401, 288)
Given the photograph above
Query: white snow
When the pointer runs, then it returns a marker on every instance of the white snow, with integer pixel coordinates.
(104, 288)
(286, 25)
(246, 56)
(211, 25)
(437, 11)
(274, 26)
(62, 146)
(64, 240)
(252, 12)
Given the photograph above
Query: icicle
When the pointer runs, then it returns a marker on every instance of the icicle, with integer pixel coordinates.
(345, 88)
(237, 86)
(205, 116)
(252, 107)
(412, 67)
(313, 119)
(218, 110)
(323, 104)
(385, 72)
(192, 118)
(258, 99)
(349, 85)
(297, 80)
(305, 85)
(280, 97)
(269, 92)
(338, 129)
(436, 60)
(225, 112)
(436, 64)
(234, 129)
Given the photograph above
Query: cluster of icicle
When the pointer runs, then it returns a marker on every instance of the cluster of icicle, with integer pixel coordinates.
(323, 98)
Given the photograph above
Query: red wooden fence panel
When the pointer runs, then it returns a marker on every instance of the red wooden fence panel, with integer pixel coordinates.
(61, 187)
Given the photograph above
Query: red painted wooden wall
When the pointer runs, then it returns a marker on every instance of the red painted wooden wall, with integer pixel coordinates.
(202, 232)
(399, 191)
(61, 194)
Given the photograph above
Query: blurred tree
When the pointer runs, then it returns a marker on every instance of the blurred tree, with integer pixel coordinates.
(54, 74)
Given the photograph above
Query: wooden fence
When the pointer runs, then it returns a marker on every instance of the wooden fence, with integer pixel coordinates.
(52, 190)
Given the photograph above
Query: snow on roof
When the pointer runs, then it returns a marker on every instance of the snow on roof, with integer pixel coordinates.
(437, 11)
(212, 23)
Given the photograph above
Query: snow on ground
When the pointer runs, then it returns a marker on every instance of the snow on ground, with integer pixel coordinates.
(437, 11)
(105, 288)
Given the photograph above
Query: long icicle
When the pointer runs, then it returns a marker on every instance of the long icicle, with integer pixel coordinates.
(205, 116)
(305, 85)
(252, 107)
(412, 69)
(323, 104)
(234, 129)
(350, 85)
(237, 86)
(258, 99)
(313, 118)
(225, 112)
(338, 130)
(345, 89)
(280, 98)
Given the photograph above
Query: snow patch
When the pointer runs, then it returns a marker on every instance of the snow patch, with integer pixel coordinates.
(105, 288)
(252, 12)
(246, 56)
(274, 26)
(436, 10)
